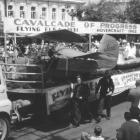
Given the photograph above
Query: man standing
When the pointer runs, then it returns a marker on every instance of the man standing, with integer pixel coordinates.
(130, 130)
(134, 96)
(80, 96)
(105, 88)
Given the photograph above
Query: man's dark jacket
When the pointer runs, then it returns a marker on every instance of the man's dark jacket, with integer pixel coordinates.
(82, 90)
(129, 130)
(104, 86)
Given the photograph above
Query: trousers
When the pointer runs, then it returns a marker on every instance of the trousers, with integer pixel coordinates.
(104, 102)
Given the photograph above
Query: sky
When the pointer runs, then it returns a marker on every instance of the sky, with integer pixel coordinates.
(93, 1)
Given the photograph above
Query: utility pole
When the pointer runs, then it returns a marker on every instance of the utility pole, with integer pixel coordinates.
(5, 37)
(5, 7)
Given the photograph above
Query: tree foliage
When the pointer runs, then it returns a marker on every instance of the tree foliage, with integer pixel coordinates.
(105, 11)
(110, 12)
(133, 11)
(90, 13)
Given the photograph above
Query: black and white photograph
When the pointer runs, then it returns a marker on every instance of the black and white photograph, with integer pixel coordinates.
(69, 69)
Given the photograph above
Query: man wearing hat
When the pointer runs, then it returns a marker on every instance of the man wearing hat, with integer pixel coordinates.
(134, 96)
(105, 88)
(81, 93)
(130, 130)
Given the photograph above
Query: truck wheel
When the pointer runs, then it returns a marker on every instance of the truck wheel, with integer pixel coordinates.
(4, 128)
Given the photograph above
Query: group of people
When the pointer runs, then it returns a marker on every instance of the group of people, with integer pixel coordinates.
(129, 130)
(129, 49)
(79, 100)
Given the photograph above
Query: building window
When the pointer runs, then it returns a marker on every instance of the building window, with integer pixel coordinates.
(22, 12)
(33, 12)
(10, 11)
(44, 12)
(54, 13)
(63, 14)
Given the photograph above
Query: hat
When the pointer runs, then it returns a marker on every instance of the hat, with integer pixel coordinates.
(124, 41)
(135, 112)
(107, 73)
(78, 76)
(98, 130)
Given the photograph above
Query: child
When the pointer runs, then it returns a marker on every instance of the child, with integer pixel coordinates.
(96, 136)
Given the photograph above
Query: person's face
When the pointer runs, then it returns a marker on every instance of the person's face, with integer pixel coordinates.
(79, 80)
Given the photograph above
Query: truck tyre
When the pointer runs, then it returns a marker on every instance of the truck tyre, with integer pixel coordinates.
(4, 128)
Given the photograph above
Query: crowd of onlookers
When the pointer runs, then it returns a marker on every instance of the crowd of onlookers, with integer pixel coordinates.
(129, 129)
(127, 49)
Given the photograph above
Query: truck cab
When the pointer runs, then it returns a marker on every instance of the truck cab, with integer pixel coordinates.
(5, 108)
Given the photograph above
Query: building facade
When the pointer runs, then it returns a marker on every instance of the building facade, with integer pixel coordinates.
(39, 9)
(121, 1)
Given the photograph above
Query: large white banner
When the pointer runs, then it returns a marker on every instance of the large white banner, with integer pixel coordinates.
(57, 97)
(30, 26)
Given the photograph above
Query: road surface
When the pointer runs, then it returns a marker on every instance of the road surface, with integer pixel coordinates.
(49, 130)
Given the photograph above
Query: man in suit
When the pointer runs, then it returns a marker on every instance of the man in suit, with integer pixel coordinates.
(134, 96)
(80, 96)
(105, 88)
(130, 130)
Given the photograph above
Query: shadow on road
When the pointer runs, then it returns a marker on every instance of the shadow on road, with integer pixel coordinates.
(49, 127)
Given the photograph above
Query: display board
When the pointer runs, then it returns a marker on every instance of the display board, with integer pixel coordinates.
(57, 97)
(29, 26)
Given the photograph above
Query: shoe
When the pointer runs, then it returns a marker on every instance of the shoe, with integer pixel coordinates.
(103, 115)
(76, 125)
(108, 117)
(70, 126)
(90, 121)
(98, 119)
(73, 125)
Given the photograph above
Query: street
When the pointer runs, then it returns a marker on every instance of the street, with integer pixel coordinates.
(49, 130)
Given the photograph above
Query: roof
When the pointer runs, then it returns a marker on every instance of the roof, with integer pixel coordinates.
(67, 1)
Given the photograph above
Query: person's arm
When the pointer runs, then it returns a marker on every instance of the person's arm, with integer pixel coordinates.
(98, 87)
(72, 90)
(119, 134)
(86, 92)
(111, 85)
(85, 136)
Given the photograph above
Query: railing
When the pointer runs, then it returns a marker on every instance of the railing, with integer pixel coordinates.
(19, 90)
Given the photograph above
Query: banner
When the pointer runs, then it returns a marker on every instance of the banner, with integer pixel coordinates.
(33, 26)
(57, 97)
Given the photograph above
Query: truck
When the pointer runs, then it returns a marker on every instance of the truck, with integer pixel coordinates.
(5, 109)
(19, 104)
(25, 92)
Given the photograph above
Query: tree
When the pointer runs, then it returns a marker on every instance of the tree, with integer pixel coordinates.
(112, 12)
(90, 13)
(133, 11)
(104, 11)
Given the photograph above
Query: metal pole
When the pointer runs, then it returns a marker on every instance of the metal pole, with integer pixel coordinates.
(15, 39)
(90, 41)
(5, 7)
(5, 48)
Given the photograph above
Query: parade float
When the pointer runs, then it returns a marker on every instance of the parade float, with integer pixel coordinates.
(40, 87)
